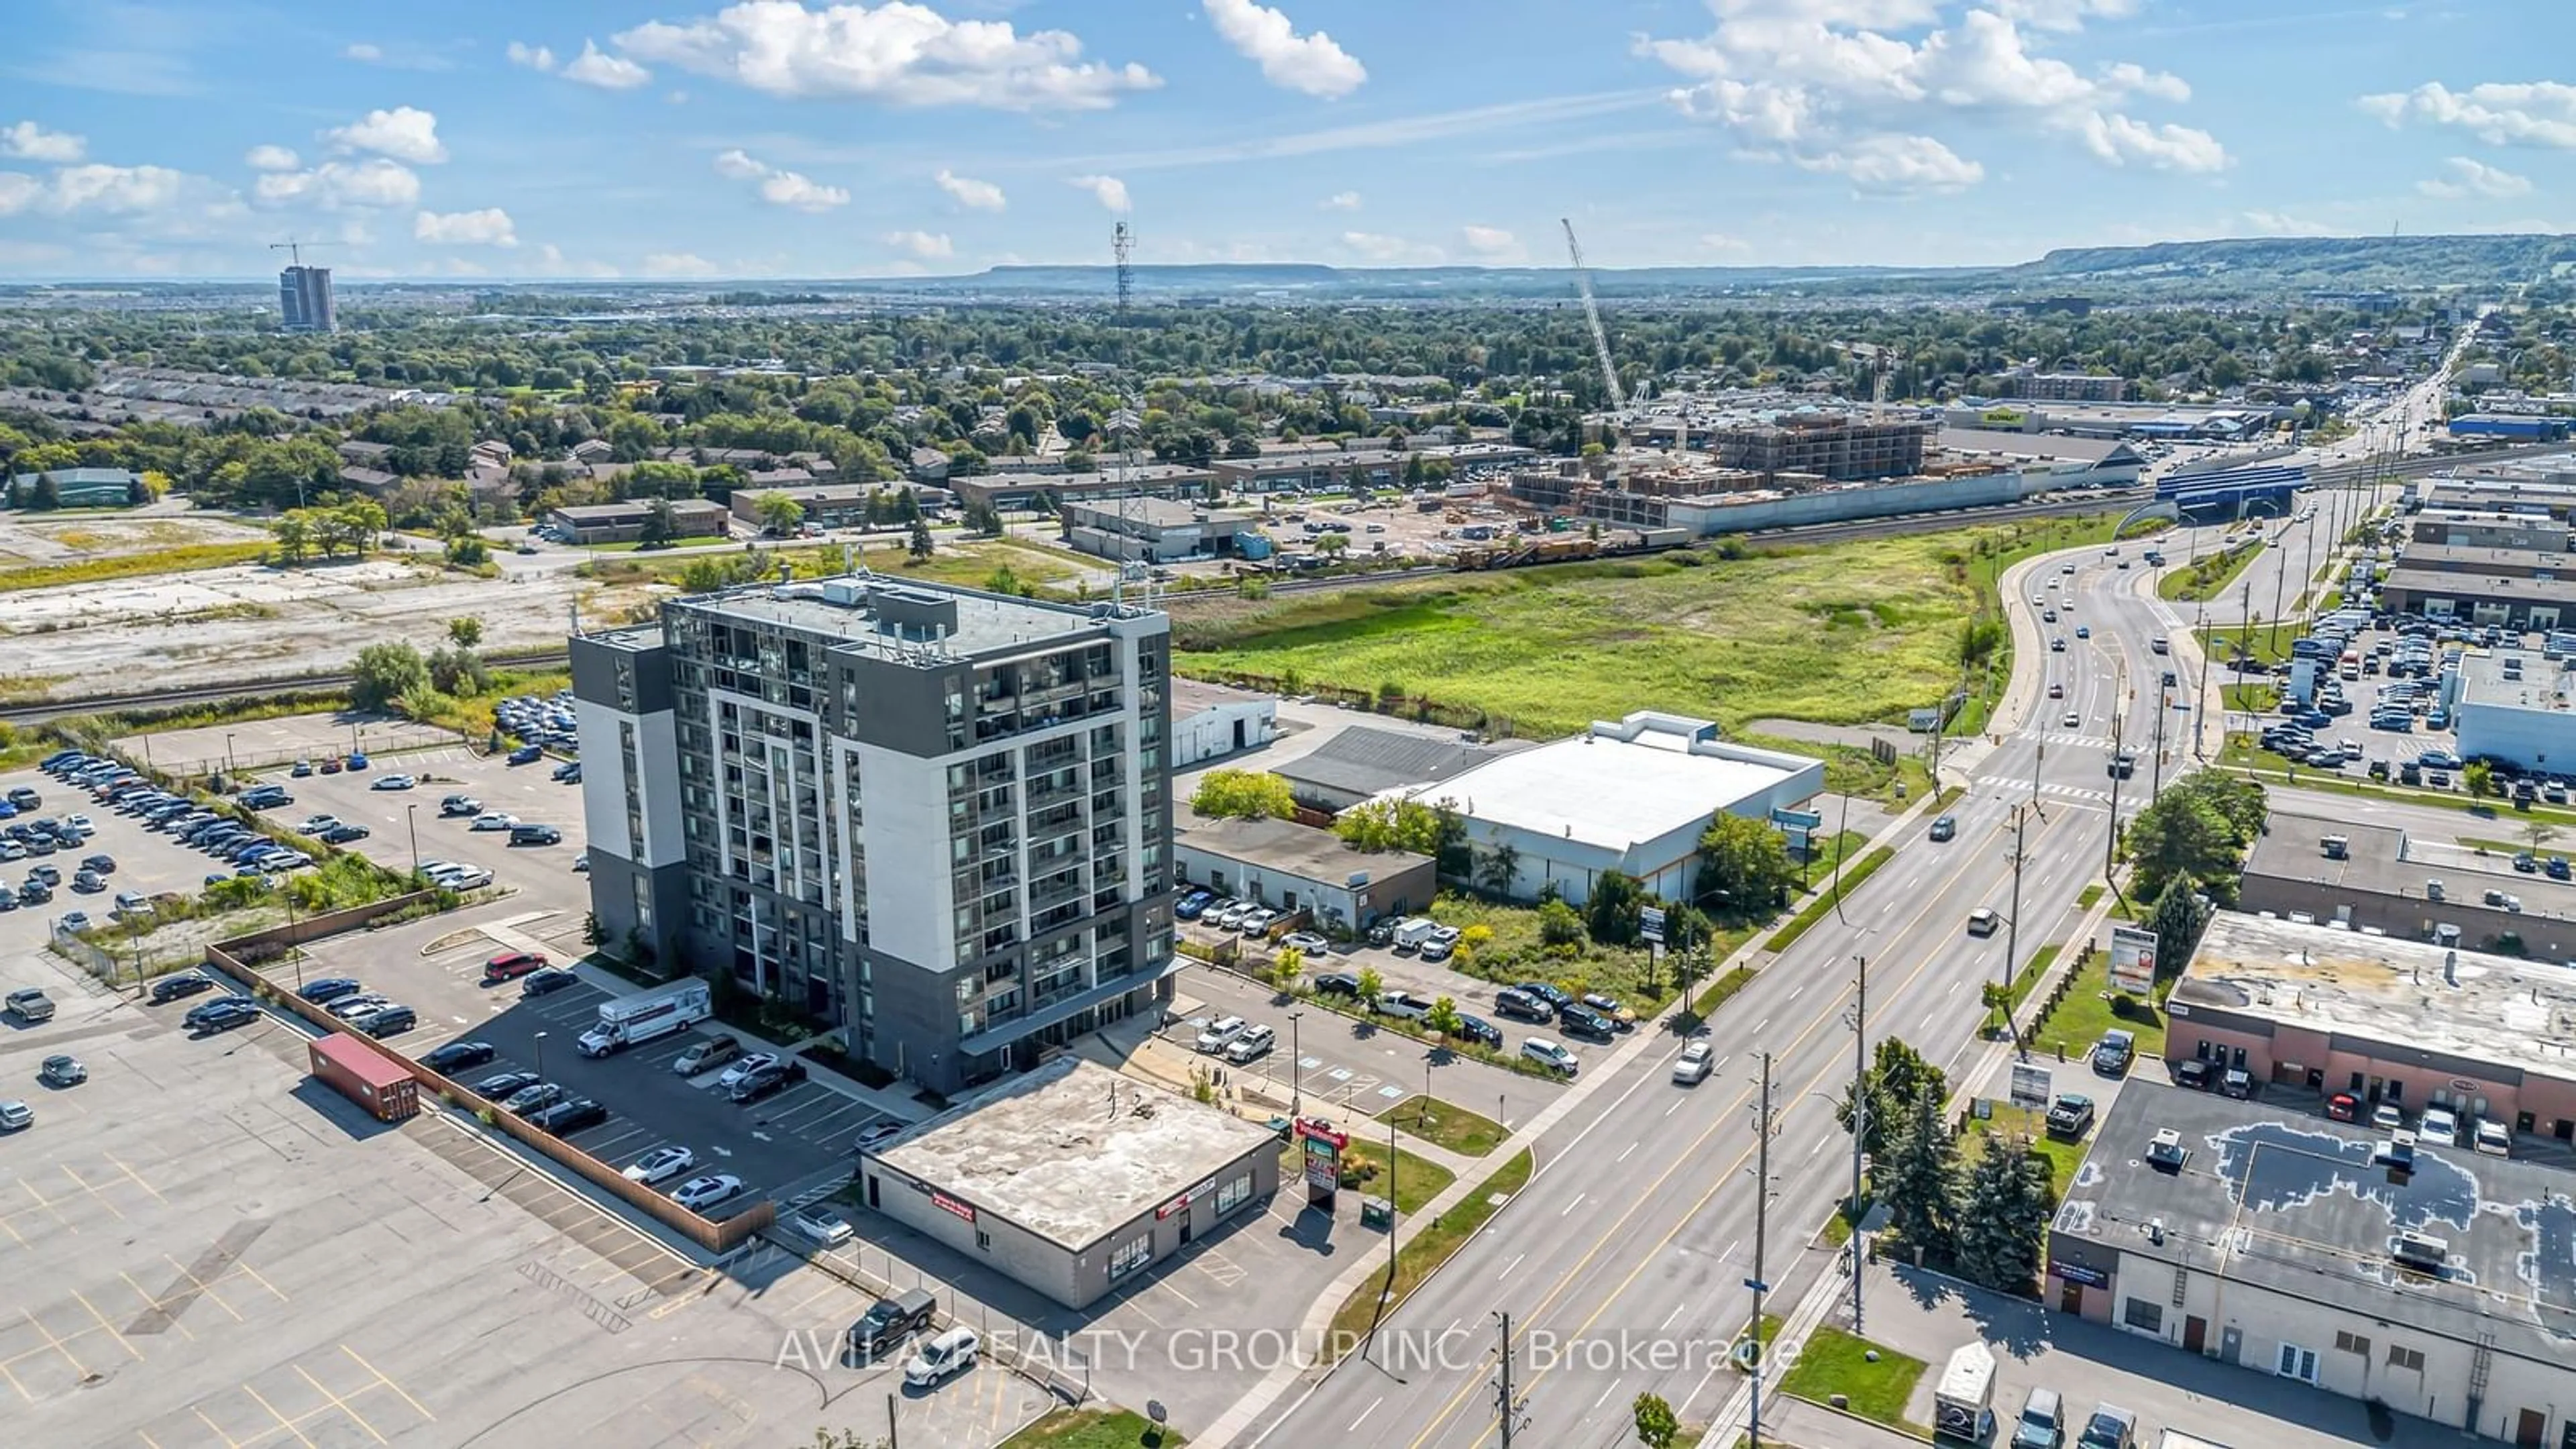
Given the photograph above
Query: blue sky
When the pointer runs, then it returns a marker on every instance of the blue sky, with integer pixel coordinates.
(797, 138)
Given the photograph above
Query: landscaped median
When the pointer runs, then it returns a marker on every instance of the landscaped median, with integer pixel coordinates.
(1836, 1364)
(1093, 1429)
(1420, 1257)
(1787, 936)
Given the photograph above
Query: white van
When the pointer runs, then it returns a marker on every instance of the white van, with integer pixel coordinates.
(1410, 934)
(944, 1357)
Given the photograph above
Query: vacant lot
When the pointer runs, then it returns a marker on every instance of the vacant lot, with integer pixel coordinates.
(1848, 634)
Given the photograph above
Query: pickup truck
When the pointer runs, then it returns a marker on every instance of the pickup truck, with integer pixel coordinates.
(31, 1005)
(1403, 1004)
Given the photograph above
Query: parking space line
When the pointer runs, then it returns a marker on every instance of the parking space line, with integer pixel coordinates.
(110, 1327)
(131, 1176)
(283, 1422)
(204, 1289)
(150, 1302)
(341, 1404)
(148, 1440)
(93, 1192)
(13, 1382)
(229, 1441)
(47, 1205)
(257, 1277)
(79, 1369)
(421, 1408)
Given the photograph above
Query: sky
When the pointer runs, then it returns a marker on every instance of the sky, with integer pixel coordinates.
(800, 138)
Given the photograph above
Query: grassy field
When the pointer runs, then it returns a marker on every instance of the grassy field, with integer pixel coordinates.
(1447, 1124)
(957, 561)
(1516, 954)
(184, 559)
(2085, 1013)
(1846, 634)
(2210, 577)
(1416, 1181)
(2010, 1121)
(1422, 1256)
(1093, 1429)
(1835, 1362)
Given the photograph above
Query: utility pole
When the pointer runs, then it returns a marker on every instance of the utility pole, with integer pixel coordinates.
(2156, 771)
(1841, 830)
(2200, 694)
(1508, 1410)
(1761, 1228)
(1860, 1123)
(2245, 609)
(2273, 635)
(2012, 921)
(2110, 845)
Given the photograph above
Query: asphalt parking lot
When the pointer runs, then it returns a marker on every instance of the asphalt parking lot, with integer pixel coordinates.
(204, 1247)
(793, 1145)
(1353, 1066)
(146, 861)
(395, 819)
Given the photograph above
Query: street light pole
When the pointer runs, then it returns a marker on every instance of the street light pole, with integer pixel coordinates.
(411, 819)
(2012, 922)
(1296, 1073)
(1761, 1228)
(541, 1056)
(1860, 1123)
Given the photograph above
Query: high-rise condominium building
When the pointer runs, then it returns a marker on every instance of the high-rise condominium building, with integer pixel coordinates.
(304, 299)
(934, 817)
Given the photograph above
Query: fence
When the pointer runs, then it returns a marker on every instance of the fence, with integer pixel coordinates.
(1009, 1347)
(718, 1237)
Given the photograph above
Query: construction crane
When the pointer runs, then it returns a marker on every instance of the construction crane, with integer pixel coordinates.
(1592, 315)
(295, 249)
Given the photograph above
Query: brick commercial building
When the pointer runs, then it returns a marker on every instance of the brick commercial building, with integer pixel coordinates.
(932, 817)
(1073, 1179)
(2312, 870)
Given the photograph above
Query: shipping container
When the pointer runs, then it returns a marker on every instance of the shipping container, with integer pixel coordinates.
(366, 1076)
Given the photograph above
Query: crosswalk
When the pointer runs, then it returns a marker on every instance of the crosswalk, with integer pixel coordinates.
(2017, 787)
(2073, 741)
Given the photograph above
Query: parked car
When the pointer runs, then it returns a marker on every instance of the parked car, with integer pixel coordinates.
(707, 1052)
(348, 1007)
(944, 1357)
(1403, 1005)
(1620, 1016)
(548, 981)
(456, 1056)
(495, 820)
(565, 1118)
(180, 983)
(535, 835)
(700, 1193)
(223, 1015)
(2493, 1139)
(1252, 1045)
(890, 1321)
(2070, 1116)
(2438, 1127)
(393, 782)
(1187, 908)
(526, 755)
(460, 805)
(392, 1020)
(535, 1097)
(2042, 1423)
(2388, 1117)
(1337, 983)
(2343, 1107)
(660, 1165)
(1550, 1055)
(16, 1116)
(2111, 1055)
(2110, 1427)
(501, 1086)
(31, 1005)
(62, 1071)
(1514, 1002)
(821, 1226)
(1217, 1035)
(763, 1080)
(1308, 942)
(511, 965)
(877, 1134)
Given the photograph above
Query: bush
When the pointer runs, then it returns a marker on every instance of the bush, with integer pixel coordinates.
(2123, 1005)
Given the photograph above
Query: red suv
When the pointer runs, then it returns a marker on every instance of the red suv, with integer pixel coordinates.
(510, 965)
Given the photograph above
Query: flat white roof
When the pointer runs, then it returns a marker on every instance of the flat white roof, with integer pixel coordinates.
(1617, 785)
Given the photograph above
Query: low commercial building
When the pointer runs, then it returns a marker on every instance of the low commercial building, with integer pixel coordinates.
(2506, 562)
(1632, 796)
(2310, 869)
(1211, 721)
(2481, 597)
(624, 522)
(1292, 867)
(1158, 530)
(77, 487)
(1018, 492)
(1072, 1179)
(2462, 529)
(2308, 1006)
(1363, 762)
(1366, 467)
(2520, 706)
(2516, 427)
(837, 505)
(2285, 1244)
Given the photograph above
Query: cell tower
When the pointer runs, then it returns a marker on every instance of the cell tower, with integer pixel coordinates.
(1122, 245)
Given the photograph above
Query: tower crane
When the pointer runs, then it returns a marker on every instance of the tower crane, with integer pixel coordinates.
(1592, 315)
(294, 249)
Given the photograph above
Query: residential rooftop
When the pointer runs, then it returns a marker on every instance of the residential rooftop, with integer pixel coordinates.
(1191, 696)
(2294, 1204)
(1072, 1150)
(2380, 989)
(898, 619)
(1285, 845)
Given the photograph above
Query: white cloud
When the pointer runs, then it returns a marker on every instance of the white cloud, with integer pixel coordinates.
(2120, 140)
(1109, 191)
(898, 52)
(1340, 201)
(490, 227)
(406, 133)
(1493, 244)
(2468, 177)
(93, 187)
(596, 67)
(334, 184)
(1718, 241)
(1898, 164)
(32, 142)
(1389, 250)
(1309, 63)
(780, 188)
(2279, 223)
(677, 264)
(270, 158)
(969, 192)
(360, 50)
(460, 267)
(1849, 85)
(555, 263)
(922, 245)
(2500, 113)
(534, 57)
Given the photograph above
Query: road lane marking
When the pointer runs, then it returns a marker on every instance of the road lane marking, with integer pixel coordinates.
(1364, 1413)
(1571, 1206)
(1624, 1151)
(1507, 1268)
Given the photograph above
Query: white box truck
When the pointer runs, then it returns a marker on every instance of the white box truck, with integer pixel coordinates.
(1410, 934)
(1963, 1404)
(632, 1019)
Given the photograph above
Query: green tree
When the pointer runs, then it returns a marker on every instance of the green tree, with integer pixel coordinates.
(1332, 545)
(2177, 920)
(1611, 912)
(1998, 1244)
(1433, 830)
(2537, 833)
(2198, 829)
(1497, 869)
(1657, 1426)
(921, 545)
(385, 673)
(1243, 795)
(660, 525)
(780, 516)
(1287, 967)
(2479, 777)
(1744, 869)
(465, 551)
(46, 496)
(1918, 1179)
(1443, 1017)
(465, 632)
(1559, 924)
(1898, 1075)
(294, 535)
(1372, 985)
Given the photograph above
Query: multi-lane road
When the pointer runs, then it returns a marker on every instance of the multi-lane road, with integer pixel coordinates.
(1624, 1263)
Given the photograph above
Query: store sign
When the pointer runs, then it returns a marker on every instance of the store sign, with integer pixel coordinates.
(1182, 1202)
(946, 1203)
(2078, 1273)
(2030, 1085)
(2133, 960)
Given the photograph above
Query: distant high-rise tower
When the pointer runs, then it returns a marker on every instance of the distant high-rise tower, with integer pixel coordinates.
(304, 299)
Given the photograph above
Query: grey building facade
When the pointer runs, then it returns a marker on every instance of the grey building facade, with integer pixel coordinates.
(934, 818)
(304, 300)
